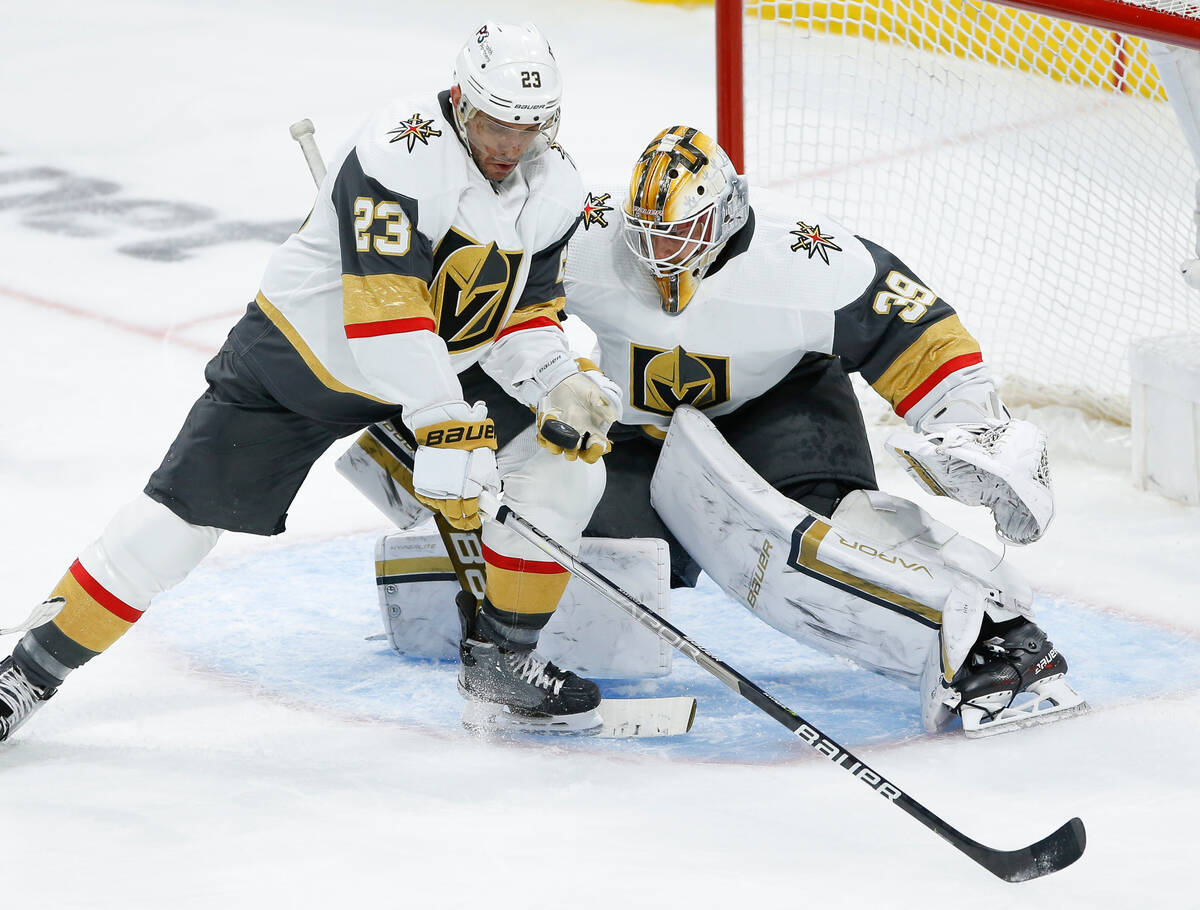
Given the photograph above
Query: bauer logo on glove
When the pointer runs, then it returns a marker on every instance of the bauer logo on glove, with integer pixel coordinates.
(455, 460)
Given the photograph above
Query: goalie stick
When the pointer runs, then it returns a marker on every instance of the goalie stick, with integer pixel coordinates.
(1051, 853)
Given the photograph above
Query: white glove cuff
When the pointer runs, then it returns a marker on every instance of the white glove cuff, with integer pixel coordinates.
(970, 399)
(546, 375)
(454, 473)
(458, 411)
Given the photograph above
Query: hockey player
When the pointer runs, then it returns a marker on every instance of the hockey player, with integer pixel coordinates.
(753, 316)
(431, 259)
(703, 305)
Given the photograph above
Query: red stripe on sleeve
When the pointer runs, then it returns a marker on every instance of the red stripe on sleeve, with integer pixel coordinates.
(514, 564)
(539, 322)
(105, 598)
(950, 366)
(390, 327)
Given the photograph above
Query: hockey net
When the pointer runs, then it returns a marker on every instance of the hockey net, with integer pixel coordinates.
(1026, 167)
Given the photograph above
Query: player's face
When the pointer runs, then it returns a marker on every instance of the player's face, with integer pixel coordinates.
(681, 241)
(496, 146)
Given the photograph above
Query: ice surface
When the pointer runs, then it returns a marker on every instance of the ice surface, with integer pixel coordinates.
(247, 747)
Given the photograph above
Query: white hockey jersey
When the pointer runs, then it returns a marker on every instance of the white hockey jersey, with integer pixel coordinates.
(412, 266)
(789, 283)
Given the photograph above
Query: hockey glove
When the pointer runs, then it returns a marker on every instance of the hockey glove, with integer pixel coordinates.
(1003, 467)
(455, 460)
(574, 417)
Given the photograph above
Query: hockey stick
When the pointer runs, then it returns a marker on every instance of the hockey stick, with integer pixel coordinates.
(1054, 852)
(622, 717)
(302, 131)
(1057, 851)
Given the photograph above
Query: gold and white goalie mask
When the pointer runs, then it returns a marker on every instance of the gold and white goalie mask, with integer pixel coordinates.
(685, 201)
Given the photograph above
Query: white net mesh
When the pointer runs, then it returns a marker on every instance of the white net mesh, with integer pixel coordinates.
(1188, 8)
(1025, 168)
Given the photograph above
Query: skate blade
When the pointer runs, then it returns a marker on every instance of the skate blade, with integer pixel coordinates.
(488, 717)
(1047, 702)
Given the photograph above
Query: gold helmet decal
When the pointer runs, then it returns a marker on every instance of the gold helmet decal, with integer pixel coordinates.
(663, 185)
(685, 200)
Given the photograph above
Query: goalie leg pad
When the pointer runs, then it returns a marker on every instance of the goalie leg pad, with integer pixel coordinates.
(417, 586)
(880, 582)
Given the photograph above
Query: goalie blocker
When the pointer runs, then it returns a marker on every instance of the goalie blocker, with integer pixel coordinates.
(880, 582)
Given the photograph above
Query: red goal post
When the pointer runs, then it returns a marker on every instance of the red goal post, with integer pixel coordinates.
(1022, 159)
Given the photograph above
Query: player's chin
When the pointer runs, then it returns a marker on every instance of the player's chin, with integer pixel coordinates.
(498, 170)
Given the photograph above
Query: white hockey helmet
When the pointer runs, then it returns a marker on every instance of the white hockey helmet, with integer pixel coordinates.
(685, 201)
(509, 73)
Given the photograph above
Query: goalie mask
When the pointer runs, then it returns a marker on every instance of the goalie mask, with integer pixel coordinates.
(509, 90)
(685, 201)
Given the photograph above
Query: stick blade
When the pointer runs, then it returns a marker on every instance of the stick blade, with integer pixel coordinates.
(1051, 853)
(626, 717)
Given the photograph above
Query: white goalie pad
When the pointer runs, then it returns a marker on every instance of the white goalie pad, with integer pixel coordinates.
(374, 464)
(881, 582)
(417, 584)
(1002, 467)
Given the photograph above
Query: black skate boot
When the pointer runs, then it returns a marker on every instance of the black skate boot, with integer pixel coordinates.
(18, 697)
(511, 688)
(1013, 677)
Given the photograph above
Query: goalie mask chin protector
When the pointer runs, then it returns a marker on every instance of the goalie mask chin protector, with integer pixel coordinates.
(685, 201)
(511, 92)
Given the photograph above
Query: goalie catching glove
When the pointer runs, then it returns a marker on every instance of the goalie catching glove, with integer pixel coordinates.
(576, 404)
(455, 460)
(968, 448)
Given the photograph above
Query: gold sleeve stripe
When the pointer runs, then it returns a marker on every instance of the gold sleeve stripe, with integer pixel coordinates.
(537, 315)
(809, 558)
(382, 298)
(941, 349)
(310, 359)
(93, 617)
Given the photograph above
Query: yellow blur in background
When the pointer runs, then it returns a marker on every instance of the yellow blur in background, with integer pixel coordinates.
(1053, 48)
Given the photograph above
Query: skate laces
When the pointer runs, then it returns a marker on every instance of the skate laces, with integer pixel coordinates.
(17, 693)
(536, 671)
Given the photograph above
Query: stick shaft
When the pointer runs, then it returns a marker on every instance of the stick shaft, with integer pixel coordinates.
(1052, 853)
(302, 132)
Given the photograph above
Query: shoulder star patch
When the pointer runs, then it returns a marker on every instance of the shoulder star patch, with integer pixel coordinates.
(594, 210)
(810, 238)
(412, 130)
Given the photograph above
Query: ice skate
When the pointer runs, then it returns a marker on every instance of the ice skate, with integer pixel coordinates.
(1013, 678)
(518, 690)
(19, 697)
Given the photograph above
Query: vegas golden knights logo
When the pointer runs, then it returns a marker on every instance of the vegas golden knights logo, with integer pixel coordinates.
(471, 288)
(663, 380)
